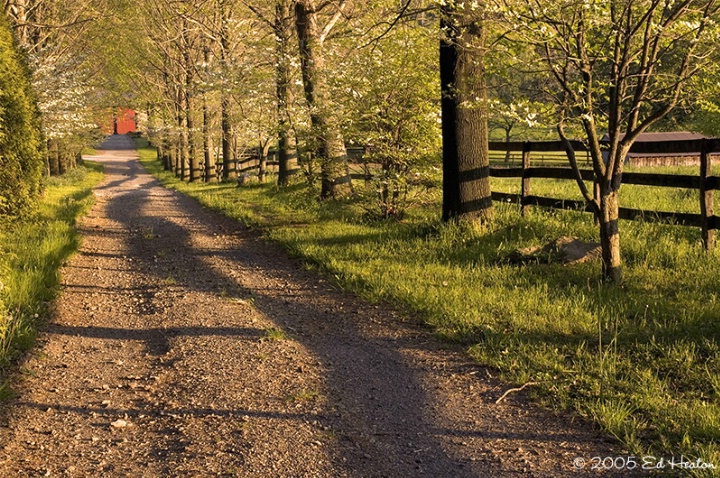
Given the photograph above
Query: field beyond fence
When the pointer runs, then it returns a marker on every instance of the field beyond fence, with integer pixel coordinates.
(553, 165)
(704, 182)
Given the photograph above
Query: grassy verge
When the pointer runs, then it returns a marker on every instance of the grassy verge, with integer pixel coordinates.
(31, 251)
(642, 360)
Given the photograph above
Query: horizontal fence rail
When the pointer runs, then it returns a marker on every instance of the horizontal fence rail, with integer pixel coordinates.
(640, 147)
(704, 149)
(251, 162)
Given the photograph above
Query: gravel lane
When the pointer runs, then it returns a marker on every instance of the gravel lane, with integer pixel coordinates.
(184, 345)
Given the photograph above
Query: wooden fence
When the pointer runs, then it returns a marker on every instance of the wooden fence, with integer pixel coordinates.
(705, 183)
(250, 163)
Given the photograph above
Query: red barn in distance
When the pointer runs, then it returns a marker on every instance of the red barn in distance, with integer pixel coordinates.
(122, 122)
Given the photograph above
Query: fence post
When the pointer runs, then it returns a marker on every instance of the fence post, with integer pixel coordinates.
(525, 182)
(706, 199)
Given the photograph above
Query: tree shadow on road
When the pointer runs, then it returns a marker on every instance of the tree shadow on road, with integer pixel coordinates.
(387, 418)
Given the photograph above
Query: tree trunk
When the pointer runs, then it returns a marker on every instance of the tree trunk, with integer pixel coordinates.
(283, 24)
(228, 169)
(195, 171)
(209, 161)
(194, 160)
(18, 11)
(285, 153)
(164, 154)
(72, 159)
(609, 230)
(53, 157)
(183, 149)
(174, 161)
(507, 140)
(62, 159)
(330, 145)
(262, 167)
(466, 162)
(208, 158)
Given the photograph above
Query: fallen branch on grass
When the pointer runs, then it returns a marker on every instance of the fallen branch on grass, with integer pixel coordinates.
(513, 390)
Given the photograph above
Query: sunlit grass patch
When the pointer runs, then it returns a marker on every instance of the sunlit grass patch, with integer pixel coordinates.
(32, 251)
(275, 334)
(304, 395)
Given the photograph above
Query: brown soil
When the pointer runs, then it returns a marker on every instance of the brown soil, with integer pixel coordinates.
(162, 359)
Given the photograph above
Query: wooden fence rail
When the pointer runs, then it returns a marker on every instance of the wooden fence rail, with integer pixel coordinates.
(251, 162)
(704, 182)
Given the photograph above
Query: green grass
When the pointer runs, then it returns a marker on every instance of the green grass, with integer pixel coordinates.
(304, 395)
(642, 360)
(31, 251)
(275, 334)
(633, 196)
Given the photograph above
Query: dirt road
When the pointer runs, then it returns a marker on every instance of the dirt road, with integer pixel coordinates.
(183, 345)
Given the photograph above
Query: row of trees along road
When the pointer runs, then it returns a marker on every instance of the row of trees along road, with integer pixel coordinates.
(310, 76)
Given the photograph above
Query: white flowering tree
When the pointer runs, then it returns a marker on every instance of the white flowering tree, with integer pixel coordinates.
(619, 66)
(66, 97)
(54, 36)
(515, 116)
(314, 22)
(391, 109)
(278, 18)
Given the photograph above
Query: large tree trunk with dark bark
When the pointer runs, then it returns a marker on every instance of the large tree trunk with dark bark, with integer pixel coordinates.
(330, 145)
(466, 163)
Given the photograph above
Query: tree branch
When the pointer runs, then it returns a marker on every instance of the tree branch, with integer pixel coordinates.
(331, 24)
(570, 152)
(259, 14)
